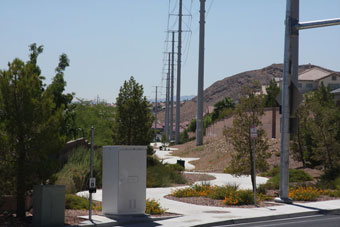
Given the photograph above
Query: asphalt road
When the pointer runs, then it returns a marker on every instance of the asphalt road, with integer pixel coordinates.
(330, 220)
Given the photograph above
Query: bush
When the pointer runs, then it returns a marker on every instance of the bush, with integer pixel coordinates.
(231, 198)
(246, 197)
(188, 192)
(295, 175)
(229, 193)
(331, 193)
(298, 175)
(76, 172)
(205, 190)
(153, 207)
(337, 183)
(160, 175)
(241, 197)
(330, 179)
(218, 192)
(75, 202)
(304, 193)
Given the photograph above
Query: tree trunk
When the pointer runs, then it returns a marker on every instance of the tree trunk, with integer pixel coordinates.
(300, 147)
(20, 187)
(273, 122)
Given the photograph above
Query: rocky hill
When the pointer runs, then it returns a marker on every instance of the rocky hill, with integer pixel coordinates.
(231, 86)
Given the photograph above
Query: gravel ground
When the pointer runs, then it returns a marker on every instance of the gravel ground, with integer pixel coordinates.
(217, 203)
(192, 178)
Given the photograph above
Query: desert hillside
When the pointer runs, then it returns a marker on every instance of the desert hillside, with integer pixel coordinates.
(231, 86)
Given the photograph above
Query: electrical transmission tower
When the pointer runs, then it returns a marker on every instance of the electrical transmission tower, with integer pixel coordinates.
(169, 61)
(179, 57)
(199, 122)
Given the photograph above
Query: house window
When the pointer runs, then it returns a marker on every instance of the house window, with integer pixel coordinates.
(300, 85)
(334, 77)
(309, 85)
(334, 86)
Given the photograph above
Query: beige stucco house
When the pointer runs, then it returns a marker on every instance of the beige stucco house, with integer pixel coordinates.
(312, 78)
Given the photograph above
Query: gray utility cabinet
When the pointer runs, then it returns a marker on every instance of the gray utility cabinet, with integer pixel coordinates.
(124, 180)
(48, 205)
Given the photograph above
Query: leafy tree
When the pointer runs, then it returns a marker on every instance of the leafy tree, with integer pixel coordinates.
(184, 136)
(61, 100)
(318, 138)
(87, 115)
(272, 92)
(226, 103)
(301, 143)
(192, 126)
(247, 113)
(133, 118)
(30, 133)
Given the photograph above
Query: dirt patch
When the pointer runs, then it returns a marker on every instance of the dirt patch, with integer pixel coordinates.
(10, 220)
(216, 203)
(219, 203)
(71, 218)
(192, 178)
(214, 155)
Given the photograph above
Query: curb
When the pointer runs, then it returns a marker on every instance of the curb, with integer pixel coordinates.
(270, 218)
(128, 222)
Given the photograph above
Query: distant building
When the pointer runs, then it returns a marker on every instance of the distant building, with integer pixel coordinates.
(336, 94)
(311, 79)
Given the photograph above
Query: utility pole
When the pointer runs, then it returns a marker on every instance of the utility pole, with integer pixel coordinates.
(290, 95)
(92, 183)
(199, 122)
(178, 91)
(167, 102)
(172, 87)
(168, 91)
(253, 137)
(156, 110)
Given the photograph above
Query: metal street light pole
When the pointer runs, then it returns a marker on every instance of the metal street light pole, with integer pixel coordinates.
(290, 95)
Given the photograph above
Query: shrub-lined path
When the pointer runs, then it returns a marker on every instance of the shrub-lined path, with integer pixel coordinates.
(197, 214)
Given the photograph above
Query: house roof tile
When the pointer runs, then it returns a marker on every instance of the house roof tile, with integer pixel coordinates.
(314, 74)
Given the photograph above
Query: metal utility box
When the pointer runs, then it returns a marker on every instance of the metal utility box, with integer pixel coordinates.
(124, 180)
(48, 205)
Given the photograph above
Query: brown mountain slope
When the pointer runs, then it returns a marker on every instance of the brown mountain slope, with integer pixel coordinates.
(231, 86)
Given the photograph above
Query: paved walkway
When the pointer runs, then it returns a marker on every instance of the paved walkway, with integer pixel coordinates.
(166, 157)
(199, 215)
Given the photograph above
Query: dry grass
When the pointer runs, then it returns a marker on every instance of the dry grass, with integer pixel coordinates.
(214, 154)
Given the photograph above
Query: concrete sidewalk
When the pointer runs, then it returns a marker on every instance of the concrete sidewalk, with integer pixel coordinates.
(197, 215)
(214, 216)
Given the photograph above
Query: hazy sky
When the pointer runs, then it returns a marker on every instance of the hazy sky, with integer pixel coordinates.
(107, 41)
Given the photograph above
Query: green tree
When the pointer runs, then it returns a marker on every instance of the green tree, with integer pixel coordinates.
(248, 113)
(30, 126)
(318, 138)
(219, 107)
(133, 118)
(272, 92)
(192, 126)
(100, 116)
(61, 100)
